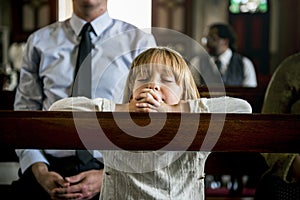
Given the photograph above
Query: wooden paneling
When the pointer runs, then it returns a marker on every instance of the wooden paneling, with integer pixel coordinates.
(173, 14)
(30, 15)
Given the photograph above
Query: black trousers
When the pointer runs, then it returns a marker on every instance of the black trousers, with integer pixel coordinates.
(27, 187)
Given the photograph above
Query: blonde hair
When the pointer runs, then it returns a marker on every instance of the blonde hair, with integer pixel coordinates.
(167, 57)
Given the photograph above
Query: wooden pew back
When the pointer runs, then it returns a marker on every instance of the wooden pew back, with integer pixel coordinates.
(229, 132)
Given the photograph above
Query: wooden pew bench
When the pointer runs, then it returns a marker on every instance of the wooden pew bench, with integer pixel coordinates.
(235, 146)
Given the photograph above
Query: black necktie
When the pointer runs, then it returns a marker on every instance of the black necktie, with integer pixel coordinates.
(218, 64)
(82, 76)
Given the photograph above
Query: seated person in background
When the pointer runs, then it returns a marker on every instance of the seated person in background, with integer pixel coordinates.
(235, 69)
(283, 92)
(159, 81)
(281, 181)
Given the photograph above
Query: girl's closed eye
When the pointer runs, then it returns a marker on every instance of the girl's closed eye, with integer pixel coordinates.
(168, 79)
(142, 78)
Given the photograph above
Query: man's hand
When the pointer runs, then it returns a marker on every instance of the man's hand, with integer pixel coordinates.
(81, 186)
(48, 180)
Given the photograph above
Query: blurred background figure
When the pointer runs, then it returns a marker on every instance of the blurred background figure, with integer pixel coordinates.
(282, 179)
(15, 54)
(235, 69)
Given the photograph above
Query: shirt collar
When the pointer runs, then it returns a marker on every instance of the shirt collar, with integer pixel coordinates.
(226, 56)
(99, 24)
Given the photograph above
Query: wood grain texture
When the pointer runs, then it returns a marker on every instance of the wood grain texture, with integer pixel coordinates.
(167, 131)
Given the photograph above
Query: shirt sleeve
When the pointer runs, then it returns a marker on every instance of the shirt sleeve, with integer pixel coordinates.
(27, 157)
(198, 106)
(83, 104)
(29, 90)
(250, 79)
(283, 90)
(29, 97)
(220, 105)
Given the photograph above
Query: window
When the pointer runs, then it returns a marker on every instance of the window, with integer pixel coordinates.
(248, 6)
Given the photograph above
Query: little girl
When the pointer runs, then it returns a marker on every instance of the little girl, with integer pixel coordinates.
(159, 81)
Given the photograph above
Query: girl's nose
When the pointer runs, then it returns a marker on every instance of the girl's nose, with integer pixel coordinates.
(154, 86)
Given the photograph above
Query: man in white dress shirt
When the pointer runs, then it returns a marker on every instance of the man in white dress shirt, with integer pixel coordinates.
(47, 75)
